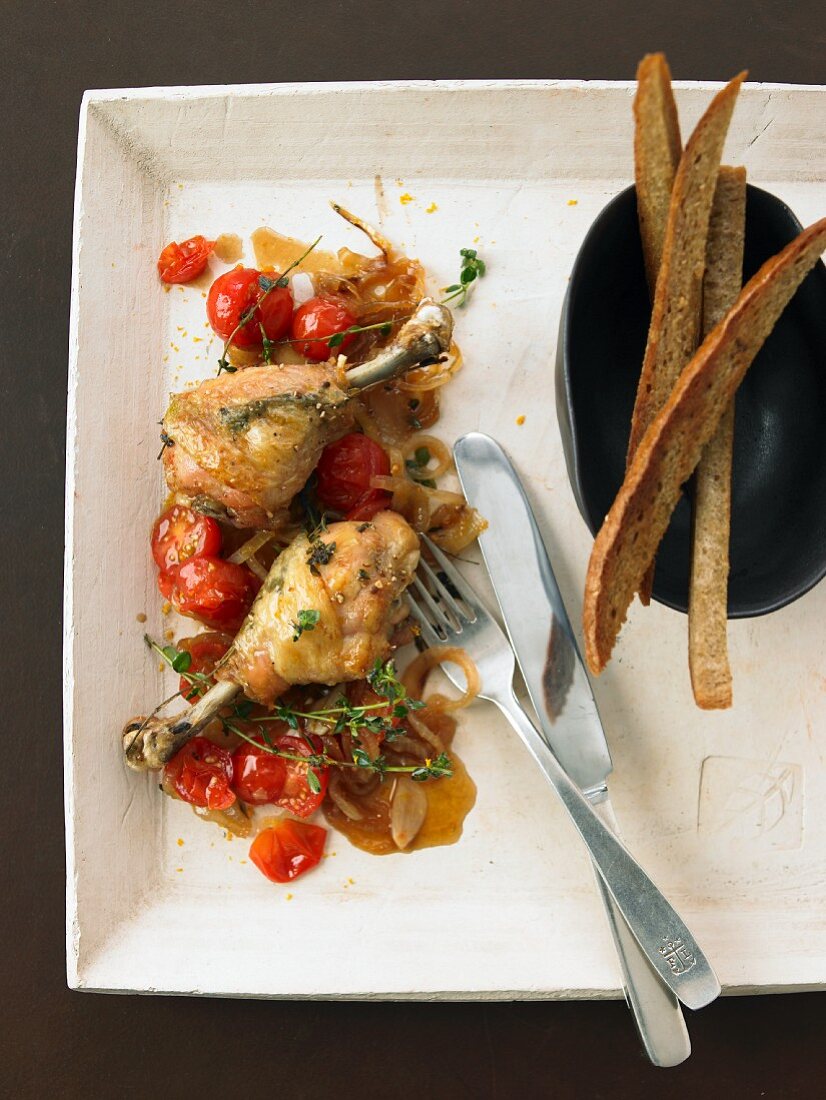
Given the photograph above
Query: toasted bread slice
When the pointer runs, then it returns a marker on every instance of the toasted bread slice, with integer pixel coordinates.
(671, 448)
(657, 151)
(674, 331)
(707, 619)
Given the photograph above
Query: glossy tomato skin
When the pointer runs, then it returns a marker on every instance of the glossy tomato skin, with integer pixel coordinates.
(180, 533)
(235, 292)
(296, 796)
(344, 473)
(288, 849)
(229, 297)
(276, 313)
(181, 263)
(316, 321)
(258, 775)
(201, 774)
(206, 650)
(216, 592)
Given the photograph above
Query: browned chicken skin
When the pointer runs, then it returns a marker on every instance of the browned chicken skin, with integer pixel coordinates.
(242, 445)
(359, 573)
(353, 575)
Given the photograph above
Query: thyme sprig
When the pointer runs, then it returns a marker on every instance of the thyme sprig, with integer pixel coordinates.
(267, 285)
(341, 717)
(473, 268)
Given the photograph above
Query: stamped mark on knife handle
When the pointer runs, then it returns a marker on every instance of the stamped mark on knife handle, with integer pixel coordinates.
(679, 957)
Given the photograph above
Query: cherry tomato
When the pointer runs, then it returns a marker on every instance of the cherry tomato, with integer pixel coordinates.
(258, 775)
(232, 295)
(296, 796)
(206, 650)
(316, 321)
(201, 773)
(276, 312)
(181, 263)
(217, 592)
(180, 533)
(288, 849)
(344, 473)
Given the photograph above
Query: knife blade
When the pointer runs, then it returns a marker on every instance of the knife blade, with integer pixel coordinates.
(535, 616)
(546, 650)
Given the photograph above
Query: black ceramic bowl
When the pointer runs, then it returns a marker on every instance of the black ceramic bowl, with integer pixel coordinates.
(778, 522)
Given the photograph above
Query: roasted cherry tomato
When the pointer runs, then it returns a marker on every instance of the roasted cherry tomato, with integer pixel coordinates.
(234, 293)
(344, 473)
(180, 533)
(316, 321)
(181, 263)
(201, 774)
(258, 775)
(297, 796)
(288, 849)
(206, 650)
(217, 592)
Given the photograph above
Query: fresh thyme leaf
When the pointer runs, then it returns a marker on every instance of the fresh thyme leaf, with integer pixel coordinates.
(313, 781)
(307, 620)
(472, 268)
(181, 661)
(265, 282)
(320, 553)
(266, 344)
(440, 768)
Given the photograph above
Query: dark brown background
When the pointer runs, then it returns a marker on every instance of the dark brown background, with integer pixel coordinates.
(57, 1043)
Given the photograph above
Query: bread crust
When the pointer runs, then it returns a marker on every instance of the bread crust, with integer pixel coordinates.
(657, 151)
(673, 444)
(674, 331)
(708, 590)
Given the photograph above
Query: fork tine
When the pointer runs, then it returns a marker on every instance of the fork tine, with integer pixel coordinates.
(444, 595)
(455, 578)
(429, 634)
(439, 618)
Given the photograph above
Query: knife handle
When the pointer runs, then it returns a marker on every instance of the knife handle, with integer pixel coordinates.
(663, 937)
(656, 1011)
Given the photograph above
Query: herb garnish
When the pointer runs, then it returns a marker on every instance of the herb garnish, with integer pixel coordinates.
(320, 553)
(380, 717)
(307, 620)
(473, 268)
(267, 285)
(418, 463)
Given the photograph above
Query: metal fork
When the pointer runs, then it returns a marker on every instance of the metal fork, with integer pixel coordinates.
(449, 613)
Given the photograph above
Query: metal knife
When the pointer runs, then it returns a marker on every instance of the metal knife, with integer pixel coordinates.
(548, 656)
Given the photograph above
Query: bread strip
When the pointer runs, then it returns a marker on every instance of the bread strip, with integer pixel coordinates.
(657, 150)
(672, 446)
(675, 318)
(707, 612)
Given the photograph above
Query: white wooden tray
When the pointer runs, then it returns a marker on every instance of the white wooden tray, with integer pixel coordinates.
(727, 811)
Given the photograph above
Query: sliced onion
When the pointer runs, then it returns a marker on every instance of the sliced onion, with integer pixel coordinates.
(251, 546)
(348, 808)
(407, 812)
(439, 453)
(454, 525)
(432, 376)
(409, 499)
(416, 674)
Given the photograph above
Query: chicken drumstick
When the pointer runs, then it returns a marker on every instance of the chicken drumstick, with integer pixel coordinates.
(241, 446)
(348, 581)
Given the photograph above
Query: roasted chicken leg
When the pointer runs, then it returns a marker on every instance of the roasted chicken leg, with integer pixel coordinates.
(242, 445)
(324, 615)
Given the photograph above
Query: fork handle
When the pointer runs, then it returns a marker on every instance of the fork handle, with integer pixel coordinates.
(655, 1009)
(663, 937)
